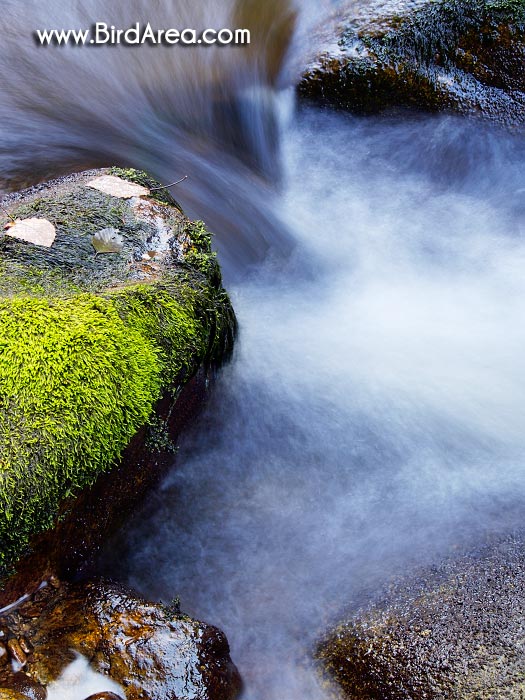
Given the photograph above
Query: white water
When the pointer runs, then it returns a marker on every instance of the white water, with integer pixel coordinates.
(373, 416)
(79, 680)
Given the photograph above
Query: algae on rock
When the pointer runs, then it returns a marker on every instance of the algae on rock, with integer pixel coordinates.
(440, 55)
(88, 342)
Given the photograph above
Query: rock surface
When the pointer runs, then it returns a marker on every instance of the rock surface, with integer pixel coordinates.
(101, 354)
(151, 650)
(457, 632)
(440, 55)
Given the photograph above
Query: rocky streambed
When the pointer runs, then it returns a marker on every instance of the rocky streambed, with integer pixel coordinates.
(147, 650)
(452, 631)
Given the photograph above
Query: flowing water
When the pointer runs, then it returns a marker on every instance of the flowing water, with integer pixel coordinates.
(371, 419)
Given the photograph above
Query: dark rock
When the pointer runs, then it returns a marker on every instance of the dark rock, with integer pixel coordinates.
(104, 696)
(21, 683)
(437, 55)
(456, 632)
(148, 649)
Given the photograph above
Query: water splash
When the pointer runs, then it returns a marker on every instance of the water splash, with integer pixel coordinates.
(209, 113)
(372, 417)
(79, 680)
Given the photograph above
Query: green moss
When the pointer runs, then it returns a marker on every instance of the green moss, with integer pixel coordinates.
(200, 254)
(76, 382)
(86, 350)
(79, 377)
(154, 311)
(511, 9)
(158, 437)
(77, 216)
(83, 215)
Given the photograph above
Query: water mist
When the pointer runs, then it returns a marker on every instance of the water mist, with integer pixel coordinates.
(372, 418)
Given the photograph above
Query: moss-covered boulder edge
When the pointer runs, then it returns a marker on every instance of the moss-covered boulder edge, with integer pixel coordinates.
(463, 56)
(89, 342)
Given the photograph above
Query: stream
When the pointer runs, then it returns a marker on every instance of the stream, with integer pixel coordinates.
(372, 417)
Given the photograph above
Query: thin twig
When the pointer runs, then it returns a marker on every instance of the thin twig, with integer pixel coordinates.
(165, 187)
(9, 216)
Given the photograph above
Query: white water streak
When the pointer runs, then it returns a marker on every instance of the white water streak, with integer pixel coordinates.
(79, 681)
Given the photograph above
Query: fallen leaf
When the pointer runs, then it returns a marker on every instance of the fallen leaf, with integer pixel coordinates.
(37, 231)
(117, 187)
(108, 240)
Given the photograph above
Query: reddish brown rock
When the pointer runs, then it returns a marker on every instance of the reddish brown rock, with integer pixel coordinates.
(24, 685)
(150, 650)
(8, 694)
(16, 652)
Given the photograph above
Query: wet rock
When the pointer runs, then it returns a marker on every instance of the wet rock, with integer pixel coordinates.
(26, 646)
(4, 656)
(437, 55)
(456, 631)
(104, 696)
(8, 694)
(17, 654)
(145, 647)
(102, 355)
(22, 684)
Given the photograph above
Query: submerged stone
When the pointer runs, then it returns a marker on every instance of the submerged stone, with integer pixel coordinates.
(8, 694)
(437, 55)
(456, 631)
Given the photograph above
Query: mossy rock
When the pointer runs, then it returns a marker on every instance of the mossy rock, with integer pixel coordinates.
(455, 631)
(90, 342)
(463, 56)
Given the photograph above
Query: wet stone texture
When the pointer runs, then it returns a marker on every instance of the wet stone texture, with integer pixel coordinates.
(457, 631)
(437, 55)
(153, 651)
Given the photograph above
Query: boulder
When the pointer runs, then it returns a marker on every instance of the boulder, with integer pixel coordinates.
(456, 631)
(463, 56)
(110, 326)
(151, 651)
